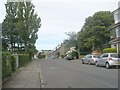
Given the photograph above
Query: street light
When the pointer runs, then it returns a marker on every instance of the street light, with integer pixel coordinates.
(78, 43)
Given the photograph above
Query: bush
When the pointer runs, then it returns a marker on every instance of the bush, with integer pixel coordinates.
(13, 63)
(23, 59)
(8, 64)
(75, 54)
(110, 50)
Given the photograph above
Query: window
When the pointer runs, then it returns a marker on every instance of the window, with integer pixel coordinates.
(113, 33)
(89, 56)
(115, 55)
(105, 55)
(95, 56)
(118, 31)
(117, 15)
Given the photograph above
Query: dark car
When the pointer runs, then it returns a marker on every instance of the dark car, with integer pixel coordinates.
(69, 57)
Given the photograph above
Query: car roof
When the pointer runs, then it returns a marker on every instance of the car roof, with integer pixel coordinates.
(110, 53)
(91, 54)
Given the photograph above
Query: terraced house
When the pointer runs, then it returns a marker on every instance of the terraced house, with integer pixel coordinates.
(115, 30)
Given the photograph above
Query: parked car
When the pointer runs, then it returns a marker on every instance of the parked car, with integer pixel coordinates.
(108, 60)
(69, 57)
(90, 59)
(52, 57)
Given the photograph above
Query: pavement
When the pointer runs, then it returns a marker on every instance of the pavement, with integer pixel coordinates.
(27, 77)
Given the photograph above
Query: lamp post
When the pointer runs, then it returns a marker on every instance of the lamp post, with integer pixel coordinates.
(78, 43)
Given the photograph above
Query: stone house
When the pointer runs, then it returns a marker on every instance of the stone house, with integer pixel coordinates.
(115, 30)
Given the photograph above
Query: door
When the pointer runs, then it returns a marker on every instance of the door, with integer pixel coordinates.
(103, 59)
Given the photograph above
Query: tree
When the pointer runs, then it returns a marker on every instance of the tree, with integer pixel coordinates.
(28, 23)
(20, 25)
(94, 33)
(8, 26)
(72, 40)
(41, 55)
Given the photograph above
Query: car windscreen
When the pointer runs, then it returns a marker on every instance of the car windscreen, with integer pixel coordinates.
(95, 56)
(115, 55)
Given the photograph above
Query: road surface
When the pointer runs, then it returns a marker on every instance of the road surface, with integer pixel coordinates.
(61, 73)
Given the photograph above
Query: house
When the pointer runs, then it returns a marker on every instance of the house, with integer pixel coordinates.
(46, 52)
(115, 30)
(61, 49)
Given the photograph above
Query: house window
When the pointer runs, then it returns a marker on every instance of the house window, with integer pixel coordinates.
(117, 15)
(117, 31)
(112, 33)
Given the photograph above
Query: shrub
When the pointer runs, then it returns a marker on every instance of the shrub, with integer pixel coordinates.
(110, 50)
(8, 64)
(22, 52)
(75, 54)
(23, 59)
(13, 63)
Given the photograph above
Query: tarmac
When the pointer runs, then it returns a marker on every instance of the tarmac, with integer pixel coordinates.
(25, 77)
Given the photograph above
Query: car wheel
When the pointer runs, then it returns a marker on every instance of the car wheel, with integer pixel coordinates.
(89, 63)
(107, 65)
(96, 64)
(82, 62)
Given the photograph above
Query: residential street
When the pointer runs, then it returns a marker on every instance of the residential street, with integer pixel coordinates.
(60, 73)
(72, 74)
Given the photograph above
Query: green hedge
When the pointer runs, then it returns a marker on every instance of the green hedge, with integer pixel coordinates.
(8, 64)
(110, 50)
(75, 54)
(13, 63)
(26, 53)
(23, 59)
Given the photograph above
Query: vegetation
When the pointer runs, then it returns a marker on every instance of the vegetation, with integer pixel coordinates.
(94, 34)
(41, 55)
(110, 50)
(8, 64)
(19, 34)
(23, 59)
(58, 54)
(72, 40)
(20, 26)
(75, 54)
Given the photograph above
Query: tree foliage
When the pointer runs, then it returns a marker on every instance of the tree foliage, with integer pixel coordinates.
(72, 40)
(94, 33)
(20, 26)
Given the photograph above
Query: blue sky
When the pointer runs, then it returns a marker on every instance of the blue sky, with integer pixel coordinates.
(60, 16)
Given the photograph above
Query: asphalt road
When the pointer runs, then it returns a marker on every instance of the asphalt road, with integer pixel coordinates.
(60, 73)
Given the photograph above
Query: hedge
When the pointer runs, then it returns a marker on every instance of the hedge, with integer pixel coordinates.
(23, 59)
(110, 50)
(75, 54)
(8, 64)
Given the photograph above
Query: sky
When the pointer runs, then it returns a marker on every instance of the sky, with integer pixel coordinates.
(61, 16)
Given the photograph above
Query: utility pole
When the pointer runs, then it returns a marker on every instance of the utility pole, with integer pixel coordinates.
(78, 43)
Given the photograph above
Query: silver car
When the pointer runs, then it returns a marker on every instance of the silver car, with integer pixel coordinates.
(90, 59)
(108, 60)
